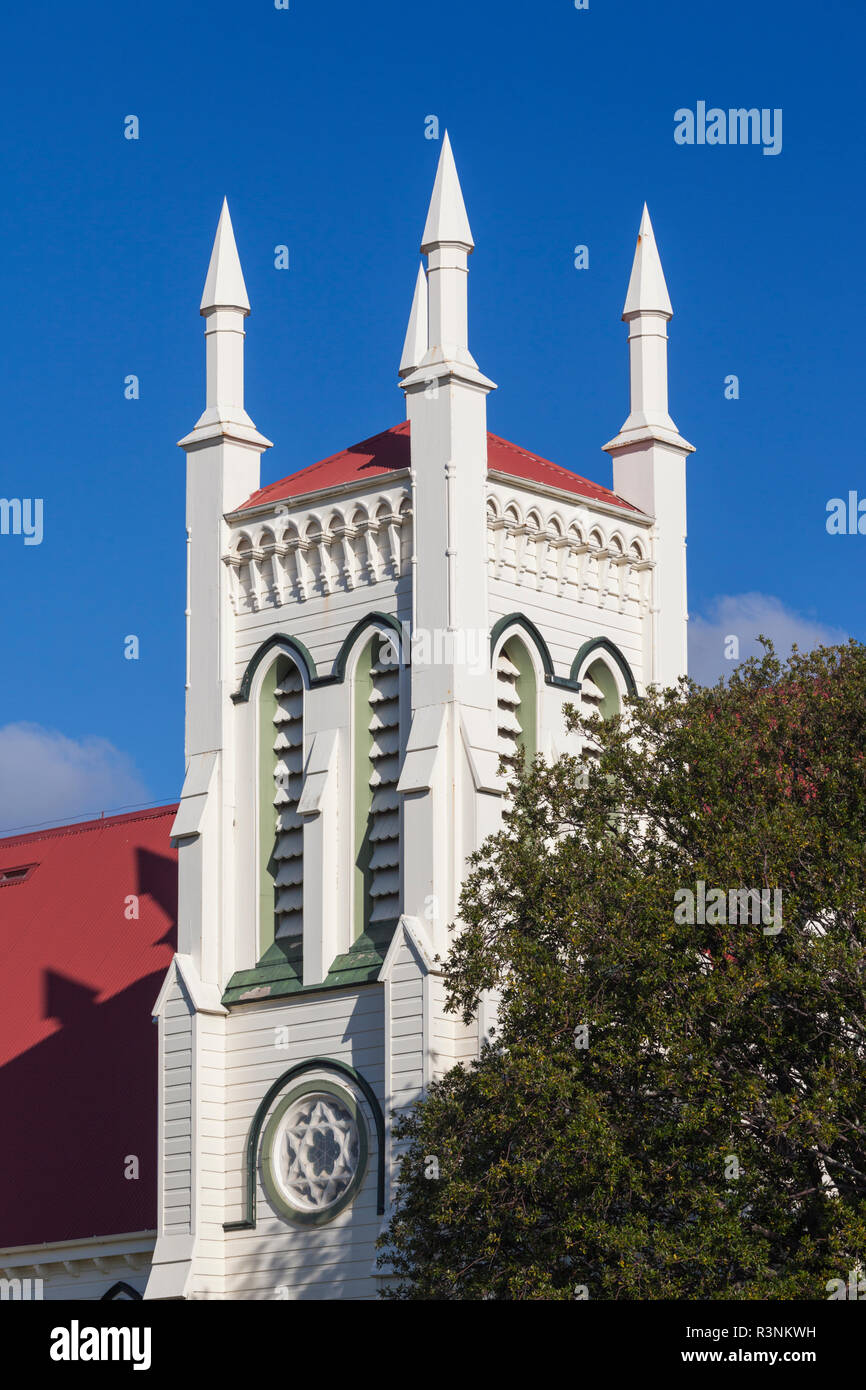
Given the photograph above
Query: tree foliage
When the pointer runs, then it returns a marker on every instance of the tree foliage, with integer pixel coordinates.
(710, 1140)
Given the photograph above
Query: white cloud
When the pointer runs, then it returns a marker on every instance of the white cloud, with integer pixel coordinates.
(743, 616)
(45, 776)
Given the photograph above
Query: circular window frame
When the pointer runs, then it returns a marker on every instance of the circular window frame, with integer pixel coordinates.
(270, 1182)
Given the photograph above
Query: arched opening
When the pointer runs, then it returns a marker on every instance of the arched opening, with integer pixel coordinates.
(121, 1292)
(281, 835)
(516, 703)
(599, 691)
(377, 770)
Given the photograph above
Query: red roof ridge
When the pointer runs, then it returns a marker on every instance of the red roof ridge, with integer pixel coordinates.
(402, 428)
(539, 458)
(351, 471)
(380, 455)
(79, 827)
(556, 467)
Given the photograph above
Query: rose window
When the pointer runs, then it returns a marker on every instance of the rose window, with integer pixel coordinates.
(316, 1151)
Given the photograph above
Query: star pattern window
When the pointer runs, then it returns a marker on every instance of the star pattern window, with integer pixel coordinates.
(314, 1153)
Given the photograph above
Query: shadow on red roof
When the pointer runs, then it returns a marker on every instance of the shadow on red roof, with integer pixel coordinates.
(78, 1054)
(389, 451)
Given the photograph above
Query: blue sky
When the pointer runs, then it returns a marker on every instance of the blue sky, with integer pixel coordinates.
(312, 121)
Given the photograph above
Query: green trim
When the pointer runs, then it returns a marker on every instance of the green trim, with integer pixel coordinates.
(294, 647)
(279, 973)
(374, 620)
(518, 620)
(604, 644)
(267, 835)
(600, 672)
(563, 683)
(521, 621)
(269, 1178)
(121, 1286)
(363, 798)
(316, 1063)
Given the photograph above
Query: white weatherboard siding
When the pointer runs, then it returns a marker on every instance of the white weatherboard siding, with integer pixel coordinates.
(409, 1043)
(213, 1125)
(453, 1040)
(280, 1259)
(191, 1126)
(322, 632)
(177, 1045)
(565, 629)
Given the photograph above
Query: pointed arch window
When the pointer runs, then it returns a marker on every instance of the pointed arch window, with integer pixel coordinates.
(599, 691)
(281, 834)
(516, 703)
(377, 803)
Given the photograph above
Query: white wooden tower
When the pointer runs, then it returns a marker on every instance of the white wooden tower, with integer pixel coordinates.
(366, 640)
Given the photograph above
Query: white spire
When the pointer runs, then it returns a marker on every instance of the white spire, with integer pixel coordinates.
(447, 242)
(224, 306)
(647, 312)
(415, 344)
(224, 287)
(649, 459)
(447, 222)
(446, 407)
(647, 291)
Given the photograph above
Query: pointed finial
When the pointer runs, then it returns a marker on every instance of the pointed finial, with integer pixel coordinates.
(647, 291)
(415, 345)
(446, 219)
(224, 287)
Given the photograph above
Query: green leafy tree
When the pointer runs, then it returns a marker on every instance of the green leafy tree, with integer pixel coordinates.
(671, 1108)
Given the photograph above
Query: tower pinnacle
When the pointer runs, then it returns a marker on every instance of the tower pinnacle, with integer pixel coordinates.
(447, 221)
(224, 306)
(649, 456)
(647, 312)
(447, 243)
(647, 291)
(224, 287)
(415, 344)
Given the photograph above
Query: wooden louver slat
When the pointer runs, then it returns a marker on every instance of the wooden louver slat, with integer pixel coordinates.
(384, 823)
(288, 769)
(509, 728)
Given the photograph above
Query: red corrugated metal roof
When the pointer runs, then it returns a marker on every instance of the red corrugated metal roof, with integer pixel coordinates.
(503, 457)
(389, 451)
(384, 453)
(78, 1059)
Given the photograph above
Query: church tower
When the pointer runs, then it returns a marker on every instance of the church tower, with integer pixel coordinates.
(372, 641)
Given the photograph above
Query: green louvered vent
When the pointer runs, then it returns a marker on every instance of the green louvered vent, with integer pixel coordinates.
(509, 729)
(384, 816)
(288, 775)
(516, 703)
